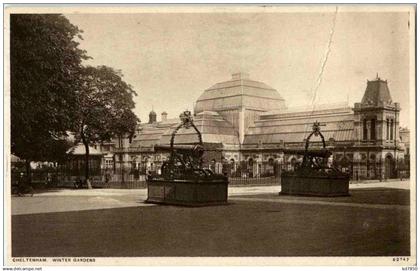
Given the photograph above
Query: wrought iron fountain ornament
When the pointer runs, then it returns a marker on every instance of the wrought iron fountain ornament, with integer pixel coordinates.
(183, 180)
(314, 176)
(185, 161)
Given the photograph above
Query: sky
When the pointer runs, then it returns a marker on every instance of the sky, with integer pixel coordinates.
(171, 58)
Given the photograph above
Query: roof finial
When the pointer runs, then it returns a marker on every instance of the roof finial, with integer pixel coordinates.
(377, 76)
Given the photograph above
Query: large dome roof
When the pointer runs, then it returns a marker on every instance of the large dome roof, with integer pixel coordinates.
(239, 92)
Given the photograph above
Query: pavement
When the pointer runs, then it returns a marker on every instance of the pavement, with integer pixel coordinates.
(373, 221)
(65, 200)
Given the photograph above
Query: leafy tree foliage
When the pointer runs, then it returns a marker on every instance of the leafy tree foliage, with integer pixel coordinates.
(104, 108)
(52, 93)
(56, 150)
(45, 61)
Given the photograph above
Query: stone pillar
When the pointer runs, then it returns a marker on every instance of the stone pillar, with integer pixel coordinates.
(241, 125)
(258, 166)
(356, 164)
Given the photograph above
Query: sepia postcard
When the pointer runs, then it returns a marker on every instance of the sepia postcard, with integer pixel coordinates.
(182, 134)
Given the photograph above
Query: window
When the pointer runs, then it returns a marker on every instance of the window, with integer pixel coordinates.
(373, 129)
(109, 163)
(391, 128)
(387, 129)
(292, 164)
(364, 130)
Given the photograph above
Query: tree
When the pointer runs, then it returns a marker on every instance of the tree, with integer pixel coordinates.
(44, 62)
(104, 108)
(57, 150)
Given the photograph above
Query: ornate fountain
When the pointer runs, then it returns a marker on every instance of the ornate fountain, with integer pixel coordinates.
(314, 176)
(183, 180)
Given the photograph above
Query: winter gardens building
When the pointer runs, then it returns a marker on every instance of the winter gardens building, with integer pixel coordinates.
(246, 129)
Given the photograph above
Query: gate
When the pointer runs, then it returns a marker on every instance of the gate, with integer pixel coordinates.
(389, 167)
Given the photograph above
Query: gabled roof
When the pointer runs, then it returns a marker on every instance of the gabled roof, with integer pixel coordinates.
(79, 149)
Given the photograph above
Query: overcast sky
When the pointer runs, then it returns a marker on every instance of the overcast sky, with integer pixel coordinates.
(171, 58)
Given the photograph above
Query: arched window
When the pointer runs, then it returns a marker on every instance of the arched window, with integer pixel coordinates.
(293, 162)
(364, 129)
(373, 129)
(391, 130)
(213, 165)
(250, 162)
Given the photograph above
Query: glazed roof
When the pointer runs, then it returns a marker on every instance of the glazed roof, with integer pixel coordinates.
(213, 128)
(150, 133)
(240, 91)
(294, 127)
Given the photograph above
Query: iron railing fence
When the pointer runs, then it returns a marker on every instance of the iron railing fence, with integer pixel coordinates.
(243, 173)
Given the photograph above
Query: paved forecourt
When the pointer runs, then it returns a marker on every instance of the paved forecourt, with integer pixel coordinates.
(76, 200)
(257, 222)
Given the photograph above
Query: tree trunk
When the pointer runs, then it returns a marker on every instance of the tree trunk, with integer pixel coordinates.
(85, 143)
(28, 172)
(121, 160)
